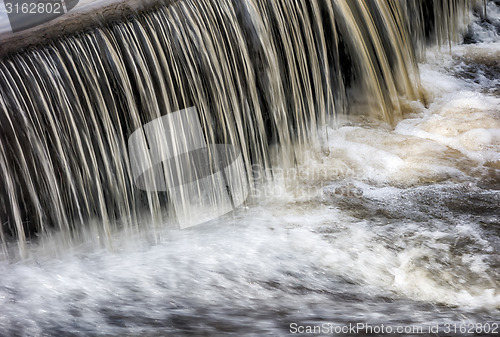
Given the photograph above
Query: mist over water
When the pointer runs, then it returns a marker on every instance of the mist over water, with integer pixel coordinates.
(380, 224)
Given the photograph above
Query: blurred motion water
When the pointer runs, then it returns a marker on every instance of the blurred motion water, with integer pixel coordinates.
(389, 215)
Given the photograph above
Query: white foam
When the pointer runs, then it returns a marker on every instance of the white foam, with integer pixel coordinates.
(485, 31)
(315, 238)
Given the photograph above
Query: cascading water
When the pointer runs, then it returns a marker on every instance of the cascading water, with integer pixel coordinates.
(373, 185)
(258, 72)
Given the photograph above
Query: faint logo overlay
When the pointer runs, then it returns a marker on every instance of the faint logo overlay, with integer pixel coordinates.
(203, 181)
(303, 182)
(25, 14)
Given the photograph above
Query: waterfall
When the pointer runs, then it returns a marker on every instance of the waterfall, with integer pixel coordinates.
(264, 76)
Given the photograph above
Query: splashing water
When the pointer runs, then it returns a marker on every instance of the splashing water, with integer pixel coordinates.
(259, 73)
(383, 205)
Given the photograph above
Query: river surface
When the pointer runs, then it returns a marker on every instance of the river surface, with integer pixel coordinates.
(379, 227)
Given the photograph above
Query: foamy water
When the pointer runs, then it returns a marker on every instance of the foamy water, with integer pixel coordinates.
(379, 225)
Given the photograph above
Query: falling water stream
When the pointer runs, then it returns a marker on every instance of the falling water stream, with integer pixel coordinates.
(369, 135)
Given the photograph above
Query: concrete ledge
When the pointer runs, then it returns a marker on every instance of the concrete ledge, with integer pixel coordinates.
(88, 15)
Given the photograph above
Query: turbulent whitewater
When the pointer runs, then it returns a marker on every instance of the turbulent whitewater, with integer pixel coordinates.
(266, 77)
(375, 180)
